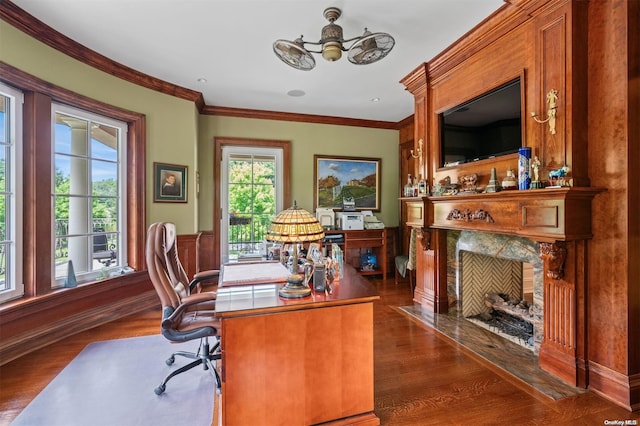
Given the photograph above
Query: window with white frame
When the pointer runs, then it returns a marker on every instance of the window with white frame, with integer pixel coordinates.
(89, 193)
(11, 284)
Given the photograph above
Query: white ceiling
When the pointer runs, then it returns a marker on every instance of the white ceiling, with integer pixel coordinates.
(229, 43)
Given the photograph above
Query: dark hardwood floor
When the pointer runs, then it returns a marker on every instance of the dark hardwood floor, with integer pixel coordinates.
(421, 378)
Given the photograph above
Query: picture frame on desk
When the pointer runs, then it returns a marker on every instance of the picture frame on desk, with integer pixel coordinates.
(338, 177)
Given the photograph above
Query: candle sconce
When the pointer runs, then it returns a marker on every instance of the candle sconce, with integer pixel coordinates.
(419, 154)
(552, 98)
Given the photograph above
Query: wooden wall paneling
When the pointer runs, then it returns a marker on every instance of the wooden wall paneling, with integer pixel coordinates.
(561, 58)
(33, 325)
(481, 71)
(391, 247)
(614, 163)
(204, 246)
(633, 289)
(431, 270)
(188, 253)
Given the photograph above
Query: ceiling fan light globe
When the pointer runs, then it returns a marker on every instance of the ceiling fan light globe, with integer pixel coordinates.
(332, 51)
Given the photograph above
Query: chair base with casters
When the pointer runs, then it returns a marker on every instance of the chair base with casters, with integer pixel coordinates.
(205, 356)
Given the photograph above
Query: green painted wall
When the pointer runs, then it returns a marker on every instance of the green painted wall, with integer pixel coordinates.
(177, 134)
(171, 122)
(306, 140)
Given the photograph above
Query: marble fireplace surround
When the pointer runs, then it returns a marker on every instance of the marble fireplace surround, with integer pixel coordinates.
(496, 246)
(558, 222)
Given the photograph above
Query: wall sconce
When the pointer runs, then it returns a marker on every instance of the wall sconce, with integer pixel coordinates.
(552, 98)
(419, 154)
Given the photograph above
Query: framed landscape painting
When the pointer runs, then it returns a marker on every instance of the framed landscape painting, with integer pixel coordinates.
(342, 181)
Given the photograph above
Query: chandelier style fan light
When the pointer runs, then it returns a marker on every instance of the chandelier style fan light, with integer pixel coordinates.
(366, 49)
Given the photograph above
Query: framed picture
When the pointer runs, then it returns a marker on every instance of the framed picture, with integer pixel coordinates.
(169, 183)
(352, 182)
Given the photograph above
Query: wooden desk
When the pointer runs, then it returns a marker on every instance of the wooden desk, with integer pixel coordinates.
(298, 361)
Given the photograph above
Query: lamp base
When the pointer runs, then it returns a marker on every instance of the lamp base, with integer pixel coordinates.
(295, 288)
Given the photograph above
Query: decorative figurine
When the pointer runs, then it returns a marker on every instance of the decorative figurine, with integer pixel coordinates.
(535, 172)
(469, 183)
(558, 177)
(493, 185)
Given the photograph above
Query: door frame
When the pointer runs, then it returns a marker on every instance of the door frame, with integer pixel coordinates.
(219, 143)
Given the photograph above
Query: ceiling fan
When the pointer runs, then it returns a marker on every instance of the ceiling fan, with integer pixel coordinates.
(366, 49)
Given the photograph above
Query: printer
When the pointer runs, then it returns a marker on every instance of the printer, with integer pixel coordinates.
(372, 222)
(350, 221)
(326, 217)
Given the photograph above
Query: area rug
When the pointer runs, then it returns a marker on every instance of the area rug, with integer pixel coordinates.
(112, 383)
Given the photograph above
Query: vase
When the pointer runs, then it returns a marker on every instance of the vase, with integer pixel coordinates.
(524, 160)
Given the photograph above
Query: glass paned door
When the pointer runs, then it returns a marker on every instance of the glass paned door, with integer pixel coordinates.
(251, 198)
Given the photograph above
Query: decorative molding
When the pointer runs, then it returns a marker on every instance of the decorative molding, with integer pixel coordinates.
(33, 27)
(468, 216)
(554, 255)
(304, 118)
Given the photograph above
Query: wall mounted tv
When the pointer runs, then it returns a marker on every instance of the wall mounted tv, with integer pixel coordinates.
(484, 127)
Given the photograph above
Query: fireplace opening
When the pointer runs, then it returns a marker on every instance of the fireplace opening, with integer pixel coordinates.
(497, 285)
(508, 316)
(494, 296)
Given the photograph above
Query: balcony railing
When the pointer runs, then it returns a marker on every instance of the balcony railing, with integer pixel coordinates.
(247, 233)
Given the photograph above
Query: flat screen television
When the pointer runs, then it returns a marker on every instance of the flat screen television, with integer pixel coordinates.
(487, 126)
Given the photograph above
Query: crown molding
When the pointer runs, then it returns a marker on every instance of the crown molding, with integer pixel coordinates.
(289, 116)
(30, 25)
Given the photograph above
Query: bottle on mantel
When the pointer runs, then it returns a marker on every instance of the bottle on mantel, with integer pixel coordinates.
(408, 187)
(422, 187)
(415, 186)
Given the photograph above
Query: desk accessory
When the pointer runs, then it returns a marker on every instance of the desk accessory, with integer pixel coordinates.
(295, 225)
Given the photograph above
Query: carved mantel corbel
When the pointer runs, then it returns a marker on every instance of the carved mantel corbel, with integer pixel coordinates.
(424, 235)
(554, 254)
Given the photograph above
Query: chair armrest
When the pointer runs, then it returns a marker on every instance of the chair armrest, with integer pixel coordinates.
(169, 331)
(170, 315)
(203, 276)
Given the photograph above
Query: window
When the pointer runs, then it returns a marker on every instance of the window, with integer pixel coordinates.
(108, 146)
(11, 284)
(89, 172)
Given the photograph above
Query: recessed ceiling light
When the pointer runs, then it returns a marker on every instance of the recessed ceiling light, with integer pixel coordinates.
(296, 93)
(202, 80)
(376, 99)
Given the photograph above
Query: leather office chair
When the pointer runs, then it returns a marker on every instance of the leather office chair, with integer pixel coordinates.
(406, 263)
(187, 313)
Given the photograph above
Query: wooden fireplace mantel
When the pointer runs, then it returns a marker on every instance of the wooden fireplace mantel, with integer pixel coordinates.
(559, 219)
(543, 215)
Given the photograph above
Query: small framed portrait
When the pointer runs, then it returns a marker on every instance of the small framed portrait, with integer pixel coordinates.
(170, 183)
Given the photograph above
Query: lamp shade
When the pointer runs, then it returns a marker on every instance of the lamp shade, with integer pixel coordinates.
(294, 225)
